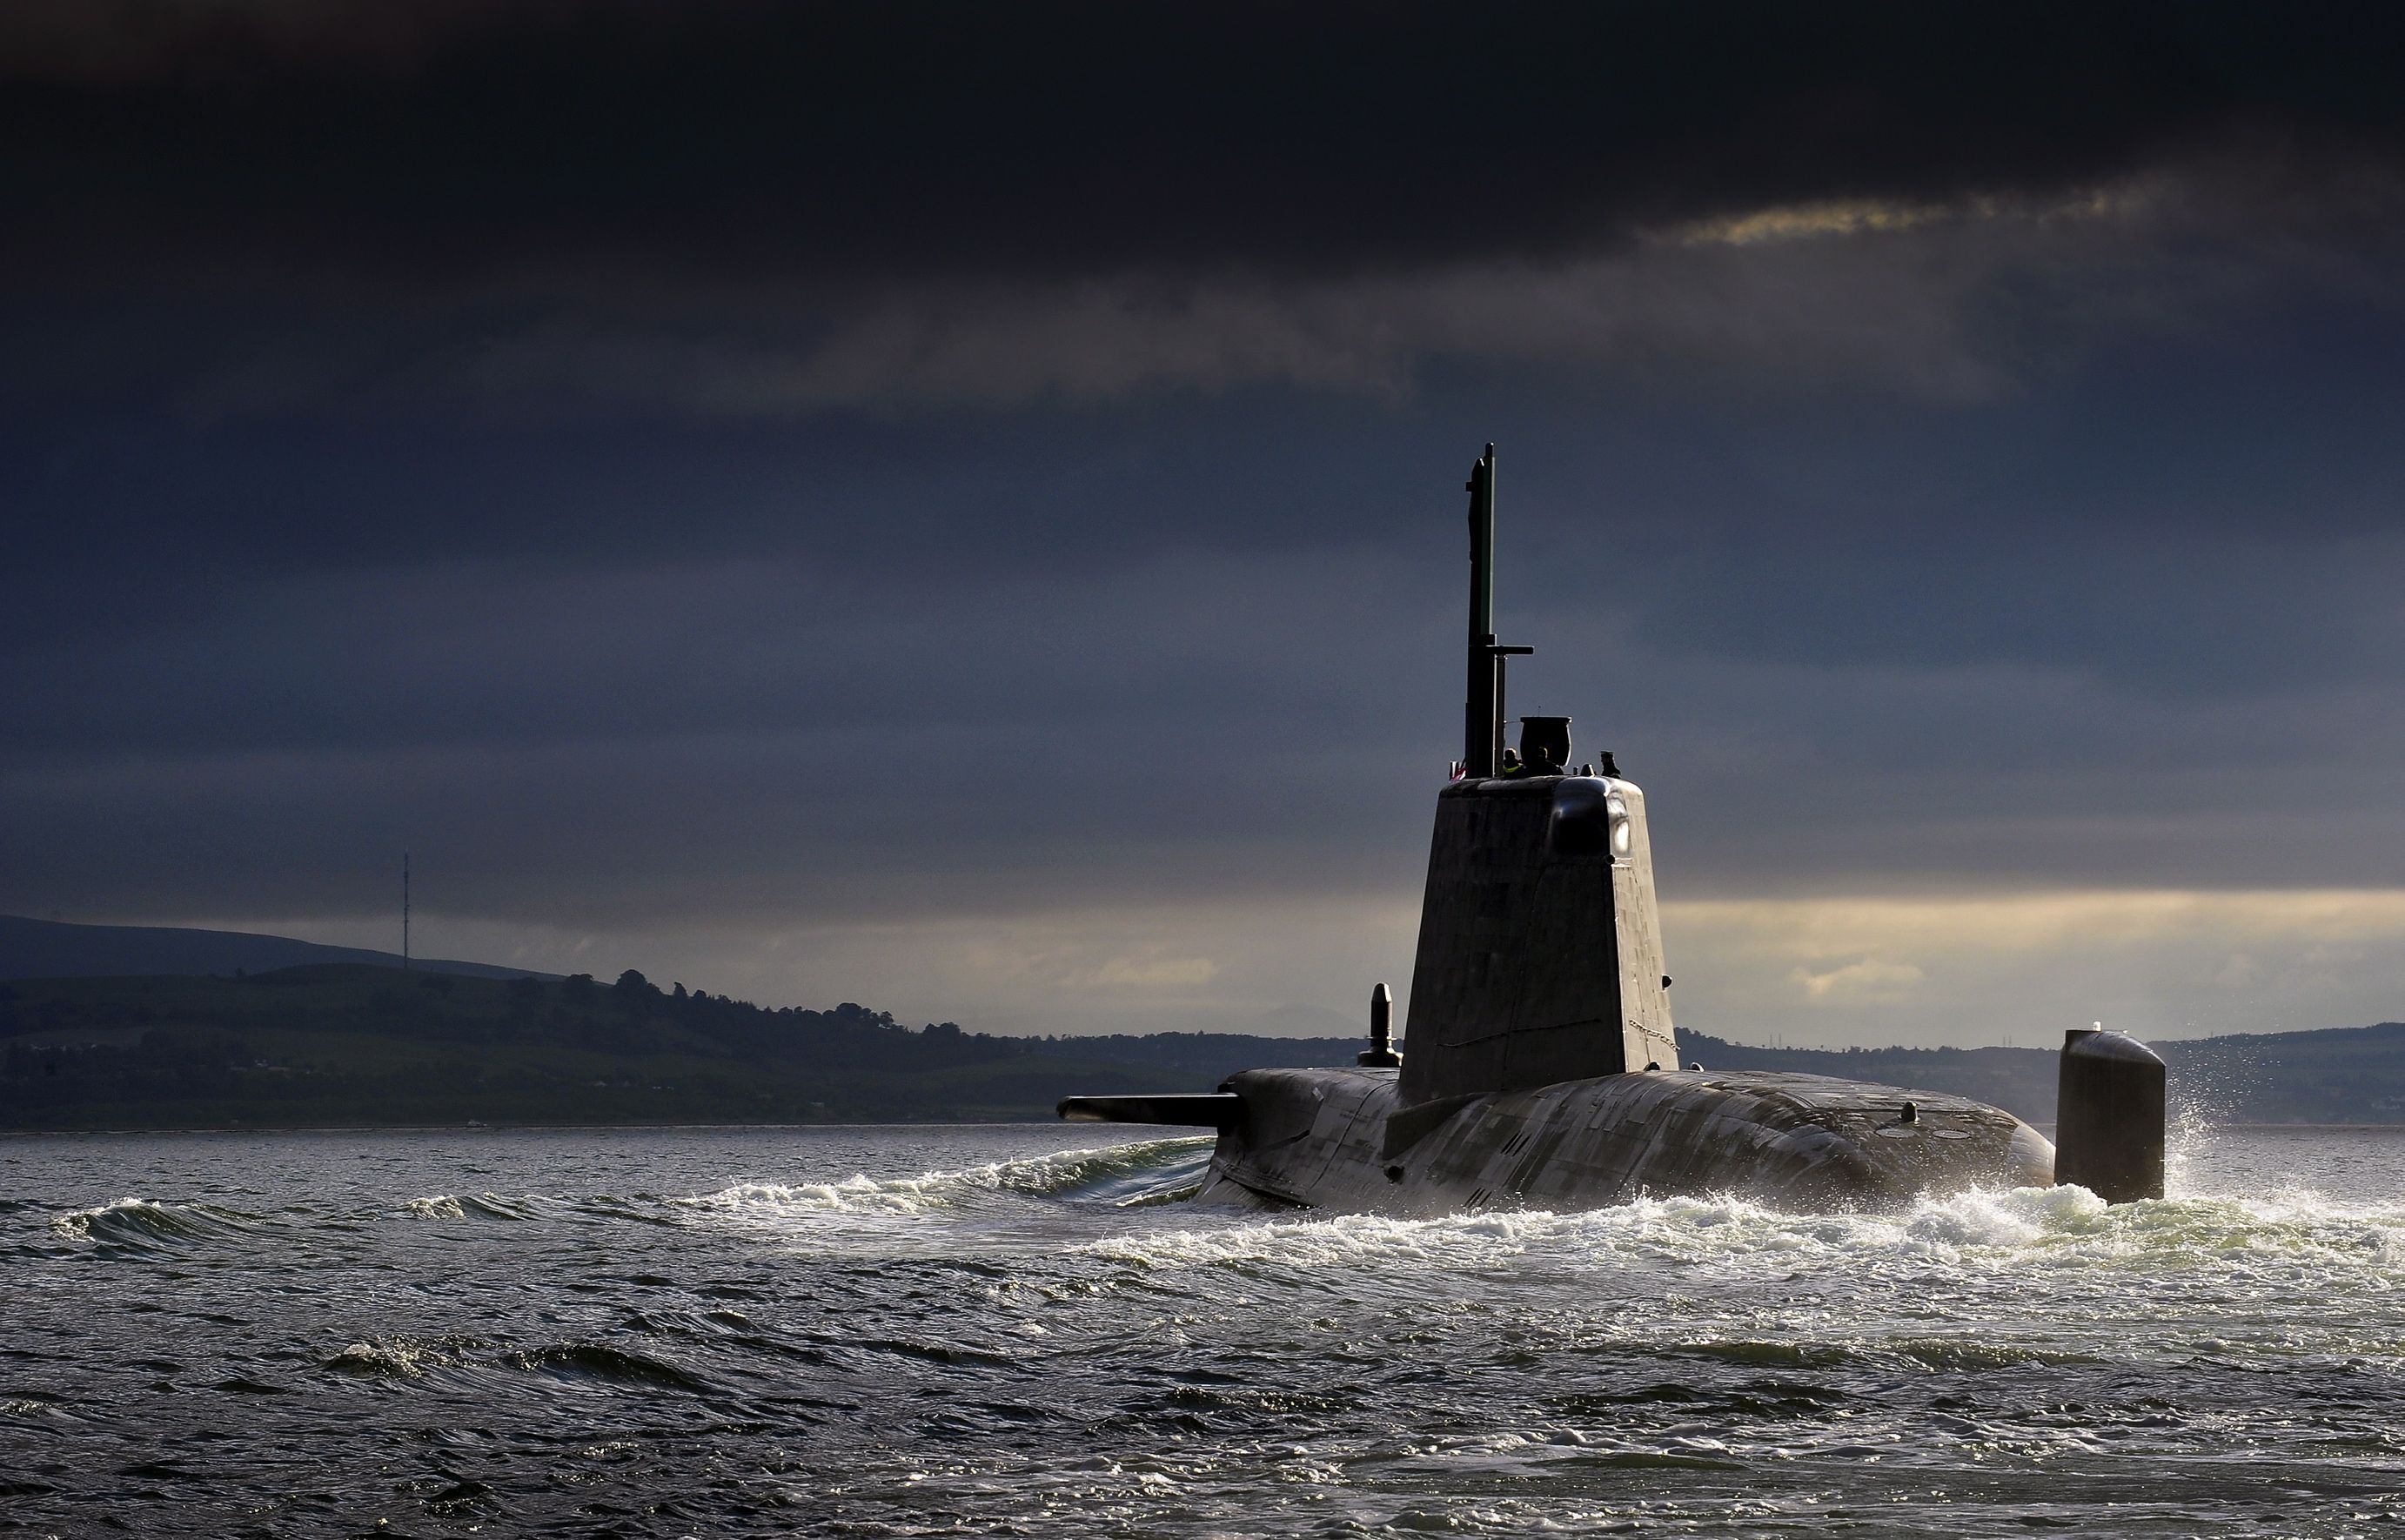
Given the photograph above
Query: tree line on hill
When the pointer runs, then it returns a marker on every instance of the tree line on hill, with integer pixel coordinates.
(347, 1044)
(330, 1045)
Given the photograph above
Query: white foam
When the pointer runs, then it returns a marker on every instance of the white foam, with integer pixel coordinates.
(1984, 1230)
(854, 1195)
(399, 1360)
(1039, 1176)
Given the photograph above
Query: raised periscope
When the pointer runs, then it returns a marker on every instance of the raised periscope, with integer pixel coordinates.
(1541, 1065)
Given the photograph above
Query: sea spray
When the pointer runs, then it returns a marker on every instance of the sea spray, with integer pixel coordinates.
(1129, 1174)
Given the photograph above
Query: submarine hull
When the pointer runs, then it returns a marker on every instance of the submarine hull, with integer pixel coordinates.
(1336, 1140)
(1541, 1063)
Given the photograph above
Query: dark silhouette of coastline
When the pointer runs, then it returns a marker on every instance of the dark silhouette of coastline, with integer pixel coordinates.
(350, 1044)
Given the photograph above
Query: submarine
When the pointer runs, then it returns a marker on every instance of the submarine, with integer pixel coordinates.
(1540, 1069)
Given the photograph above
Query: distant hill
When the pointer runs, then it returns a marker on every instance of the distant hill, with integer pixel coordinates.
(365, 1043)
(48, 948)
(346, 1044)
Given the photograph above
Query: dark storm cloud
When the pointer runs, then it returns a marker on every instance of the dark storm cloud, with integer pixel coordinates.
(733, 209)
(778, 208)
(815, 138)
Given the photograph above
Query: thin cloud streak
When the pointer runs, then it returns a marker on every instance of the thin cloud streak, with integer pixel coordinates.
(726, 209)
(1947, 303)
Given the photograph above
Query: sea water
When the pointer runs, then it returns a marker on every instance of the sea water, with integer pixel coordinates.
(956, 1331)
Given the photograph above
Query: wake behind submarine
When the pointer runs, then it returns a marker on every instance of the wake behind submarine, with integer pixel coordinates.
(1542, 1069)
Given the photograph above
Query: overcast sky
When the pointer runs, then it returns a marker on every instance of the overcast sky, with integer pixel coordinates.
(958, 508)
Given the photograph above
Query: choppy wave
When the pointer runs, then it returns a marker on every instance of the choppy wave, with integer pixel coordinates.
(404, 1360)
(389, 1358)
(479, 1205)
(601, 1360)
(1125, 1175)
(316, 1332)
(140, 1223)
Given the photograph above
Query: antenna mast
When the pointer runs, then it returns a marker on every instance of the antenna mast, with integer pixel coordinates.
(1483, 712)
(404, 911)
(1479, 730)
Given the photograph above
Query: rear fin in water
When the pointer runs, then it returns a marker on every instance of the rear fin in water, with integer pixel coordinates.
(2108, 1117)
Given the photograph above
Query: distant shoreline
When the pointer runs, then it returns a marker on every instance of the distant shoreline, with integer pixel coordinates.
(505, 1127)
(492, 1127)
(353, 1048)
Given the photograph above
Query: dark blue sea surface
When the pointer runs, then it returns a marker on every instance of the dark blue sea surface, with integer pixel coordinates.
(954, 1331)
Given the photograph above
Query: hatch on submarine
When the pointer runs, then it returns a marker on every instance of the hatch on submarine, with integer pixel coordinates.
(1540, 1069)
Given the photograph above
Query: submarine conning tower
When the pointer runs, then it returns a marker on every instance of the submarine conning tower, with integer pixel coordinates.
(1539, 955)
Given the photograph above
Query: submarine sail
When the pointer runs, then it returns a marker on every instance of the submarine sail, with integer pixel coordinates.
(1539, 955)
